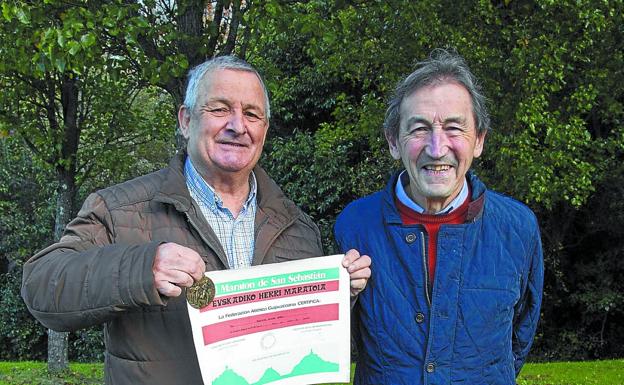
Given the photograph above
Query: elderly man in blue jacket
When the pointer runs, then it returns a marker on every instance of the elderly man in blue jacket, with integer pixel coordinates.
(456, 285)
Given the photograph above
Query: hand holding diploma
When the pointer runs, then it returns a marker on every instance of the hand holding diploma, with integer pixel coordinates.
(359, 270)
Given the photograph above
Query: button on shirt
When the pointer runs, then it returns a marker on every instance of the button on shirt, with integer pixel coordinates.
(235, 234)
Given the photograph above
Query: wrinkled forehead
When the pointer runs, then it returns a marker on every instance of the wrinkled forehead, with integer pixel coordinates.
(240, 85)
(439, 100)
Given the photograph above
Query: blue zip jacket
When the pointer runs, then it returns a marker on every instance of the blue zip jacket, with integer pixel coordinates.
(476, 324)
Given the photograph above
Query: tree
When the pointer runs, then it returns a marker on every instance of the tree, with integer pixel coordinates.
(163, 39)
(69, 67)
(73, 72)
(68, 99)
(551, 71)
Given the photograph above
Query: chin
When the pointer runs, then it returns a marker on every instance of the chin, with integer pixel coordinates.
(228, 168)
(438, 192)
(233, 164)
(236, 167)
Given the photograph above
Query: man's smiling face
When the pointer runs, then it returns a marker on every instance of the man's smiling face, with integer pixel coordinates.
(226, 132)
(437, 141)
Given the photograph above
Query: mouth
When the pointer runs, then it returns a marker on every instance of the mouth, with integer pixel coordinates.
(437, 167)
(233, 144)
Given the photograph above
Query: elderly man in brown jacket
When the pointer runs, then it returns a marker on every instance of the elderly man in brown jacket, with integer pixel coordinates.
(124, 260)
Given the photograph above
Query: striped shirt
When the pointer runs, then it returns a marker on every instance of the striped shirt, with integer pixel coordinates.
(235, 234)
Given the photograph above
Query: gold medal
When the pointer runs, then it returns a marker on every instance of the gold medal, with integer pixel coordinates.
(201, 293)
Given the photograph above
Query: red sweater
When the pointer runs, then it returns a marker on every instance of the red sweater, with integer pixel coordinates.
(432, 226)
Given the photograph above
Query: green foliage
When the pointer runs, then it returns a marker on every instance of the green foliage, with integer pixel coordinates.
(556, 142)
(74, 79)
(86, 120)
(26, 214)
(26, 204)
(591, 290)
(536, 66)
(552, 72)
(23, 338)
(87, 345)
(316, 170)
(20, 336)
(131, 137)
(46, 47)
(296, 165)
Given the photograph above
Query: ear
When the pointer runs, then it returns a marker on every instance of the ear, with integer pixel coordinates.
(479, 144)
(392, 145)
(184, 120)
(266, 131)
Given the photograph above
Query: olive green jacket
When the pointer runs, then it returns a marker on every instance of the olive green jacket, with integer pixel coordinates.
(100, 272)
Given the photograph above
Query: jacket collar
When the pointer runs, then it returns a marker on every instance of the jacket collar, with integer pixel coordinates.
(173, 188)
(475, 208)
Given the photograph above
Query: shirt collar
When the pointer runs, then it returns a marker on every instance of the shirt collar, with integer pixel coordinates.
(206, 192)
(403, 180)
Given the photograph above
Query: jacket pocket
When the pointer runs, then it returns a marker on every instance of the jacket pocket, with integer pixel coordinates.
(492, 292)
(486, 310)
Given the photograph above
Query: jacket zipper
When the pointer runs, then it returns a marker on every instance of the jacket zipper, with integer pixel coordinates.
(425, 267)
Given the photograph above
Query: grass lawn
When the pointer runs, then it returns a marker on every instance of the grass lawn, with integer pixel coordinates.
(573, 373)
(35, 373)
(555, 373)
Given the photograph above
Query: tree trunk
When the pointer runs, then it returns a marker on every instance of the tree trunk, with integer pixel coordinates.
(57, 351)
(58, 345)
(58, 341)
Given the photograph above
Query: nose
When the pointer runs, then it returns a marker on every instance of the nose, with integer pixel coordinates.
(236, 123)
(438, 144)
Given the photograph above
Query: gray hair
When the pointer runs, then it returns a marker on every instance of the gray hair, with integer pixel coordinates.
(441, 67)
(228, 62)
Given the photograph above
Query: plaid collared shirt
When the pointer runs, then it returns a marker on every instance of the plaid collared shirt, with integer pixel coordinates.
(235, 234)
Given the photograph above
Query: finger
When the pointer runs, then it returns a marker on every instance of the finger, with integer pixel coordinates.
(175, 277)
(198, 269)
(363, 273)
(193, 268)
(192, 263)
(357, 286)
(349, 257)
(168, 289)
(363, 262)
(171, 256)
(358, 283)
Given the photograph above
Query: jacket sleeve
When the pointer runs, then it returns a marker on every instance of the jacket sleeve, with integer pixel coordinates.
(527, 311)
(85, 279)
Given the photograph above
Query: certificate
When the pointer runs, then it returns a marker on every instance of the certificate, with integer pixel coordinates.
(284, 323)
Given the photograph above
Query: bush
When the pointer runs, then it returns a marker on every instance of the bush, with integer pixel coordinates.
(87, 345)
(21, 336)
(323, 172)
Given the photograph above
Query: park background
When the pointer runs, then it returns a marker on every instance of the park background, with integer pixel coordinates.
(90, 91)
